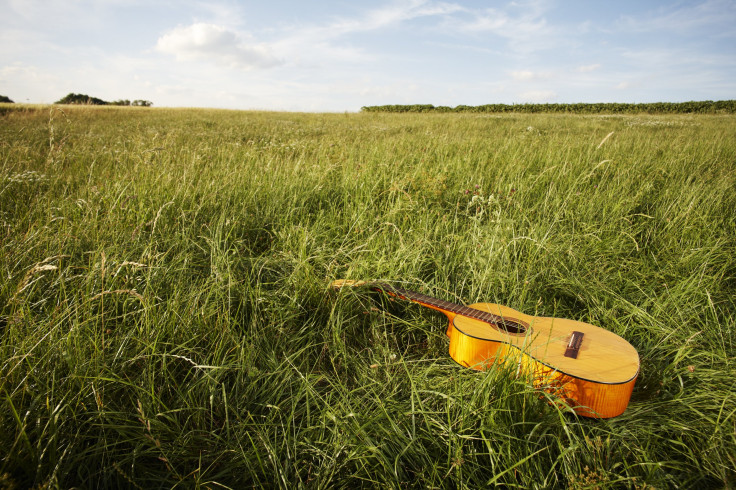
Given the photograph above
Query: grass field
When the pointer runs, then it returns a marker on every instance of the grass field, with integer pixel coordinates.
(166, 319)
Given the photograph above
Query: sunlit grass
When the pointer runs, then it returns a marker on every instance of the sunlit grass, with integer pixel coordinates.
(166, 317)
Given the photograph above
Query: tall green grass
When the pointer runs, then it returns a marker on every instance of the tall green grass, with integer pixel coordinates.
(166, 318)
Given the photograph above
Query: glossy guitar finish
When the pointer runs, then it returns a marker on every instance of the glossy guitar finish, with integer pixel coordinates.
(591, 369)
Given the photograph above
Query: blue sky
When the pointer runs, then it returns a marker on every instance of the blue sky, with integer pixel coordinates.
(341, 55)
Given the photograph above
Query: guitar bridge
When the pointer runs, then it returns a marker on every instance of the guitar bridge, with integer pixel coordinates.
(573, 346)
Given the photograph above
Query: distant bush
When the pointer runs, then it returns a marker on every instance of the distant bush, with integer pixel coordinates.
(5, 98)
(73, 98)
(693, 107)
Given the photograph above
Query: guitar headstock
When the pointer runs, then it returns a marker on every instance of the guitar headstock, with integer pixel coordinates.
(341, 283)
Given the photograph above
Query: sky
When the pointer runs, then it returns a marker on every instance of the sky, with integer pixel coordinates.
(335, 56)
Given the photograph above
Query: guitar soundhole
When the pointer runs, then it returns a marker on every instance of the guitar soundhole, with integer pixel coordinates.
(511, 327)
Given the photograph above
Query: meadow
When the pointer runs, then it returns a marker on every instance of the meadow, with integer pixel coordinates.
(166, 318)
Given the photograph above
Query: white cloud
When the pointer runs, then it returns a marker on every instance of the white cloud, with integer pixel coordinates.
(522, 75)
(226, 14)
(310, 45)
(538, 96)
(201, 41)
(389, 15)
(320, 44)
(588, 68)
(30, 82)
(522, 24)
(685, 17)
(526, 75)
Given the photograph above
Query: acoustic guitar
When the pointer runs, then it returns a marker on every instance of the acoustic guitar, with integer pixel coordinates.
(588, 368)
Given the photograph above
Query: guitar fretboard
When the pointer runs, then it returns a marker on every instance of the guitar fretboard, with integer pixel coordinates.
(509, 325)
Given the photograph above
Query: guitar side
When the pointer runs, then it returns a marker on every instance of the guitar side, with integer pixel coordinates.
(597, 382)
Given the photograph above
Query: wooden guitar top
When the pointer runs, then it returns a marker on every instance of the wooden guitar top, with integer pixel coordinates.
(603, 356)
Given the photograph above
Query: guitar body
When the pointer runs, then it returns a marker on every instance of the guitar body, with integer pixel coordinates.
(597, 382)
(587, 368)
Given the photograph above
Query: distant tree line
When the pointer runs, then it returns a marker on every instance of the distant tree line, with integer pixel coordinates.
(5, 98)
(693, 107)
(73, 98)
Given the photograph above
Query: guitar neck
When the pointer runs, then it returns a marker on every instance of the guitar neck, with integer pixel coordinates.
(438, 304)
